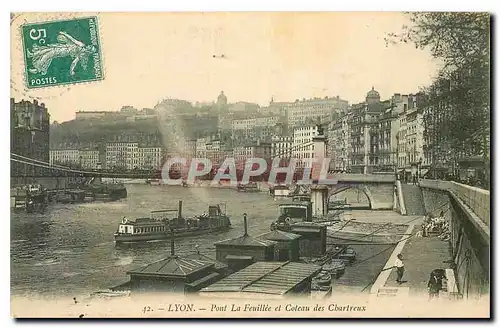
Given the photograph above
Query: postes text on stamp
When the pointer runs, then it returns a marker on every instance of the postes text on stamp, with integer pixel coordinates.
(62, 52)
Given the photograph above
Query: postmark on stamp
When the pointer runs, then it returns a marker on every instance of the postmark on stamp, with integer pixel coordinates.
(62, 52)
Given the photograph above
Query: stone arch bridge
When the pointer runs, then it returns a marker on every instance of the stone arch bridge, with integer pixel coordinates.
(379, 189)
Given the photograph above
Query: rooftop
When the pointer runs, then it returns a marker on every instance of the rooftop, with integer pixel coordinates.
(172, 266)
(246, 241)
(278, 235)
(204, 258)
(276, 278)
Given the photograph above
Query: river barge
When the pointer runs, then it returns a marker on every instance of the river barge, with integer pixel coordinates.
(250, 187)
(108, 191)
(281, 191)
(168, 224)
(29, 198)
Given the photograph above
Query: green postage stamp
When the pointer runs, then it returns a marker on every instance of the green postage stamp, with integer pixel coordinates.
(62, 52)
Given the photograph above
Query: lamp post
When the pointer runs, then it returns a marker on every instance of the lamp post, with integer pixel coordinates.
(419, 168)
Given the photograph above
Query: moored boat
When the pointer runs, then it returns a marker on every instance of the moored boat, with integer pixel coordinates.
(347, 254)
(336, 267)
(110, 293)
(297, 210)
(250, 187)
(167, 224)
(324, 278)
(280, 191)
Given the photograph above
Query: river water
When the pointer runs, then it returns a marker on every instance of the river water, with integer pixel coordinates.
(70, 249)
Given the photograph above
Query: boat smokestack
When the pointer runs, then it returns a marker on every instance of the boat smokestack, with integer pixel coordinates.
(245, 224)
(180, 209)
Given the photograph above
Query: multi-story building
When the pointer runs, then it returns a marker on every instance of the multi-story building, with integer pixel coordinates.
(250, 123)
(258, 150)
(201, 147)
(311, 111)
(149, 158)
(411, 138)
(81, 158)
(30, 123)
(214, 152)
(303, 147)
(373, 130)
(130, 156)
(187, 148)
(64, 157)
(339, 145)
(225, 121)
(89, 158)
(118, 154)
(243, 106)
(263, 150)
(281, 146)
(251, 130)
(437, 118)
(180, 147)
(383, 141)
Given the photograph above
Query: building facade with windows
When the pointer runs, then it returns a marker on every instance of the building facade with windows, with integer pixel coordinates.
(312, 111)
(30, 122)
(339, 145)
(132, 156)
(303, 147)
(281, 146)
(64, 157)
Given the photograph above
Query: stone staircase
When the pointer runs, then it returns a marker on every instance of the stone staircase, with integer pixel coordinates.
(414, 199)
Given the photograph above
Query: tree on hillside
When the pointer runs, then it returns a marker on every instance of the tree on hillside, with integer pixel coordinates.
(457, 105)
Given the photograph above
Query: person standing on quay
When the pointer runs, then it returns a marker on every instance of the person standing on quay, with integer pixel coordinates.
(400, 268)
(434, 285)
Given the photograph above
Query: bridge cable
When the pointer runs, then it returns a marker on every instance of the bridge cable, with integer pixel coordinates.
(38, 161)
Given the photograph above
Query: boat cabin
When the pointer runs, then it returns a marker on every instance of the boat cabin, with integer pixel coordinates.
(287, 245)
(126, 226)
(296, 211)
(280, 191)
(215, 211)
(242, 251)
(301, 198)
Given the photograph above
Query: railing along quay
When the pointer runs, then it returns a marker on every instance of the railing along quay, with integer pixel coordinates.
(477, 199)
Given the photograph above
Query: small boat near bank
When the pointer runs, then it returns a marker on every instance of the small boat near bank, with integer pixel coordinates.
(29, 198)
(324, 278)
(346, 254)
(110, 294)
(250, 187)
(168, 224)
(281, 191)
(336, 267)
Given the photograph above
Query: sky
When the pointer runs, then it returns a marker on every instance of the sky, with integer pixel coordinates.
(151, 56)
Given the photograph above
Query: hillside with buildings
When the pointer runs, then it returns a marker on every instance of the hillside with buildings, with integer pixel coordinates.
(375, 135)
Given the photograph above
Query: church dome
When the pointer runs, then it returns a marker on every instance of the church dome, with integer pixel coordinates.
(372, 94)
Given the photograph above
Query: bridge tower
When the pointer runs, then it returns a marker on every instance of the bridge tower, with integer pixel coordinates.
(319, 193)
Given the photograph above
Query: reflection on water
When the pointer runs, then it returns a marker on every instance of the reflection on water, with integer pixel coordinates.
(70, 249)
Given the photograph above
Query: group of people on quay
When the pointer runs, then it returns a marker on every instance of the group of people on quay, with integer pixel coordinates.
(436, 225)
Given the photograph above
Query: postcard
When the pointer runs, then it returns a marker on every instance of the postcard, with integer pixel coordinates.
(250, 165)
